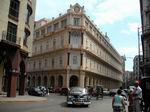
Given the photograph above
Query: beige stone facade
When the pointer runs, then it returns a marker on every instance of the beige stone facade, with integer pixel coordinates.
(16, 35)
(71, 51)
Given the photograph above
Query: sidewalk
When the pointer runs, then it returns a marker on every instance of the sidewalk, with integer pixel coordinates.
(24, 98)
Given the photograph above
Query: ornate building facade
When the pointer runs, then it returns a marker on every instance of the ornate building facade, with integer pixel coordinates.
(145, 37)
(71, 51)
(16, 30)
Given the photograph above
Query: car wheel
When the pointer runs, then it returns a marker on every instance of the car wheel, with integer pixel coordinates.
(86, 105)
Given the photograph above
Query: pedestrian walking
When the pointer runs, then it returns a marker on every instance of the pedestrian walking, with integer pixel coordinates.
(137, 96)
(118, 103)
(130, 97)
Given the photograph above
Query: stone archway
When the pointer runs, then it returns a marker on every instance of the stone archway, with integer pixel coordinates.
(73, 81)
(45, 81)
(22, 78)
(60, 81)
(33, 81)
(7, 75)
(85, 82)
(39, 81)
(29, 81)
(52, 81)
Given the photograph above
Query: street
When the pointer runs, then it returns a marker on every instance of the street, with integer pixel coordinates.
(56, 103)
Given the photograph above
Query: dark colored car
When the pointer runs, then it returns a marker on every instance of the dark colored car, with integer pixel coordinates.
(37, 91)
(78, 96)
(57, 89)
(64, 91)
(51, 89)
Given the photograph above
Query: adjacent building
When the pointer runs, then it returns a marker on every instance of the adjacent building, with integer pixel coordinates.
(71, 51)
(145, 37)
(129, 79)
(136, 67)
(16, 35)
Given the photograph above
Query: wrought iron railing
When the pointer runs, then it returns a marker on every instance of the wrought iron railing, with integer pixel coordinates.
(6, 36)
(146, 28)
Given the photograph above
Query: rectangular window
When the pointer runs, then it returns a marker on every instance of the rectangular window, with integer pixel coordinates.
(41, 48)
(43, 31)
(34, 63)
(60, 61)
(28, 14)
(75, 60)
(37, 34)
(47, 45)
(77, 21)
(53, 63)
(63, 23)
(86, 23)
(62, 41)
(56, 26)
(14, 8)
(49, 29)
(39, 64)
(11, 32)
(54, 43)
(68, 59)
(45, 62)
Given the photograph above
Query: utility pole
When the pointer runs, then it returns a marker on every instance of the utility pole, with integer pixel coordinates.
(139, 55)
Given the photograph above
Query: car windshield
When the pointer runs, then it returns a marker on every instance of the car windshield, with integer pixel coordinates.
(78, 89)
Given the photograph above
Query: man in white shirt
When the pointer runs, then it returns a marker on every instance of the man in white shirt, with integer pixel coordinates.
(137, 96)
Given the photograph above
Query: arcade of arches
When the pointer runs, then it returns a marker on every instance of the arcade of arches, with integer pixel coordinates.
(69, 80)
(12, 72)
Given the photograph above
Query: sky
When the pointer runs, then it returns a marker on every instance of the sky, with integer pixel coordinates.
(119, 18)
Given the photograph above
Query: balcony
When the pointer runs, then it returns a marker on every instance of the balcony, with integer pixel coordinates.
(146, 29)
(7, 38)
(145, 63)
(147, 10)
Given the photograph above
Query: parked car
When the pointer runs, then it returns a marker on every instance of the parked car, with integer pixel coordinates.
(64, 91)
(35, 91)
(57, 89)
(51, 89)
(78, 96)
(113, 92)
(43, 89)
(106, 92)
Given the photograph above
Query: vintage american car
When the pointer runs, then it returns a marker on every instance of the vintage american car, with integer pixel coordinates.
(78, 96)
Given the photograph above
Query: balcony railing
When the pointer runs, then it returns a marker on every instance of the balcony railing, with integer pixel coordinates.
(147, 61)
(6, 38)
(146, 29)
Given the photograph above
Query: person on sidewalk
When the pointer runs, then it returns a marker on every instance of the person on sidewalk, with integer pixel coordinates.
(118, 103)
(137, 96)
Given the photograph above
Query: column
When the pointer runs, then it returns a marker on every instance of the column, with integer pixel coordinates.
(67, 78)
(12, 78)
(87, 81)
(81, 79)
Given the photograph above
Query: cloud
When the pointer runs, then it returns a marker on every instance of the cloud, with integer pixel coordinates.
(126, 32)
(131, 28)
(102, 11)
(134, 26)
(111, 11)
(128, 51)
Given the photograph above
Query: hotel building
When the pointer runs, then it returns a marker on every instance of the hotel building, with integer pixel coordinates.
(71, 51)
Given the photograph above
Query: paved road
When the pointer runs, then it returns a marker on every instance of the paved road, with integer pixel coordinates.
(56, 103)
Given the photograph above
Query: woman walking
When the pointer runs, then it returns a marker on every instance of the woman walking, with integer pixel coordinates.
(118, 103)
